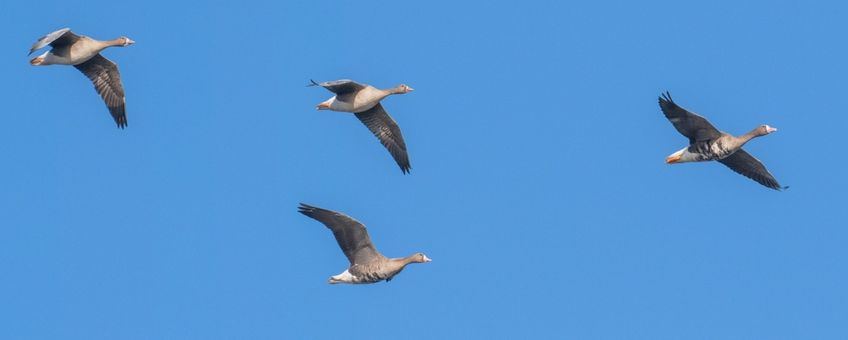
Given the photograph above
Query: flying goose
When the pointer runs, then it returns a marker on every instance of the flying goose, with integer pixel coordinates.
(367, 265)
(706, 143)
(364, 101)
(84, 53)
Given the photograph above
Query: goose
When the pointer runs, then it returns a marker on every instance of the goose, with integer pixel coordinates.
(706, 143)
(84, 53)
(364, 101)
(367, 265)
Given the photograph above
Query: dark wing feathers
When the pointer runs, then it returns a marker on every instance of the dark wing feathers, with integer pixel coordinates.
(350, 234)
(689, 124)
(340, 87)
(748, 166)
(388, 132)
(58, 39)
(107, 81)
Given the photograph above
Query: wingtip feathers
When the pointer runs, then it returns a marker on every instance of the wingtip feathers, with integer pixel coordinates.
(665, 97)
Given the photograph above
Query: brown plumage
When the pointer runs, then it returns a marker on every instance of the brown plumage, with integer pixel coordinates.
(84, 53)
(364, 101)
(707, 143)
(367, 265)
(107, 81)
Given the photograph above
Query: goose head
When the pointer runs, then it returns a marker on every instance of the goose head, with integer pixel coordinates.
(124, 41)
(402, 88)
(419, 258)
(765, 129)
(759, 131)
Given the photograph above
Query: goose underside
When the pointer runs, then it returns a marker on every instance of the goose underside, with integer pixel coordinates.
(701, 152)
(362, 277)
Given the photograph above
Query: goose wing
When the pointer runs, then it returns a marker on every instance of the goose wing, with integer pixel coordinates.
(351, 235)
(60, 38)
(689, 124)
(340, 87)
(388, 132)
(748, 166)
(107, 81)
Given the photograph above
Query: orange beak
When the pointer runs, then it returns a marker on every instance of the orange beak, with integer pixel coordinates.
(323, 106)
(36, 61)
(672, 159)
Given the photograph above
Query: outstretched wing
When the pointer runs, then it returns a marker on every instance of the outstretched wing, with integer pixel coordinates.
(340, 87)
(748, 166)
(60, 38)
(388, 132)
(689, 124)
(107, 81)
(350, 234)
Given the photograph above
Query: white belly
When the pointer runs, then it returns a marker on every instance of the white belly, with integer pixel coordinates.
(337, 105)
(358, 104)
(344, 277)
(77, 56)
(364, 100)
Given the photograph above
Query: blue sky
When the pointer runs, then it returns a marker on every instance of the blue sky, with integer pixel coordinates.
(538, 184)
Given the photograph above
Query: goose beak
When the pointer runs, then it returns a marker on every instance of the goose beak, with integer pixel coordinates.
(410, 89)
(36, 61)
(323, 106)
(770, 129)
(130, 41)
(427, 259)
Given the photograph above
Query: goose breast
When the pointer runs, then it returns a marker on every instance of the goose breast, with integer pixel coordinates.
(712, 149)
(367, 98)
(85, 49)
(77, 53)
